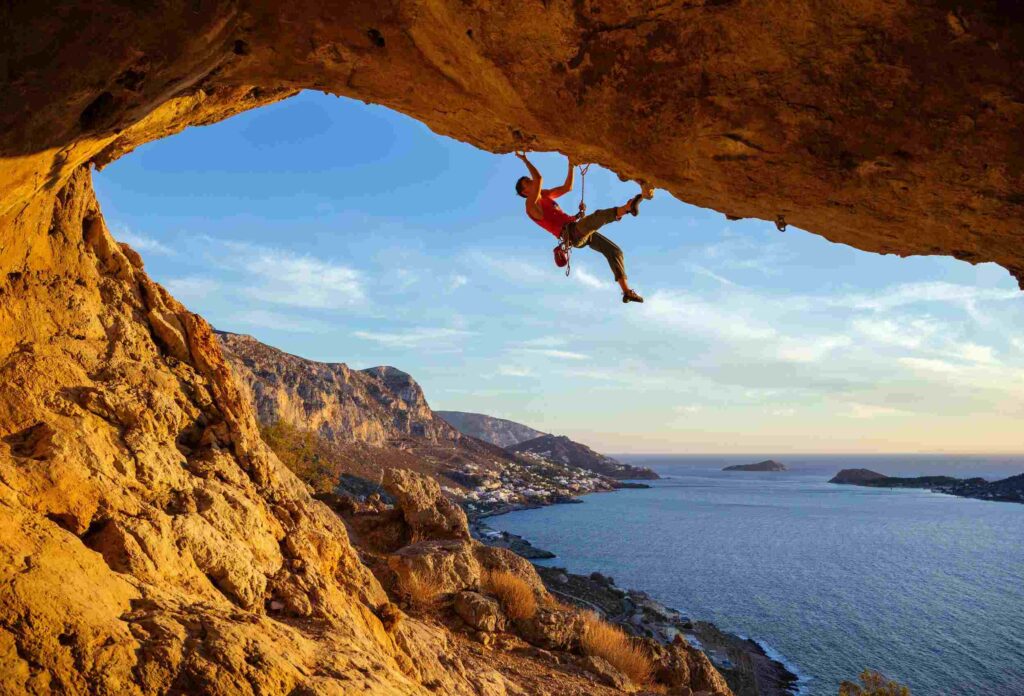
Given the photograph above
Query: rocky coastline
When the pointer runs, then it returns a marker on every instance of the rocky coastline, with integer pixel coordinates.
(745, 664)
(1008, 490)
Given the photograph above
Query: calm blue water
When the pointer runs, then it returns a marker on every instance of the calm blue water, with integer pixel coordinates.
(926, 588)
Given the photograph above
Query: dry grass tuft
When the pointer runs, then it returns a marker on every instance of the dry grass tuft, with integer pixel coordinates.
(515, 594)
(421, 592)
(622, 651)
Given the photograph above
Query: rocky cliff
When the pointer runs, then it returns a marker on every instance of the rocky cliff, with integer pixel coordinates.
(892, 126)
(149, 541)
(562, 450)
(497, 431)
(378, 406)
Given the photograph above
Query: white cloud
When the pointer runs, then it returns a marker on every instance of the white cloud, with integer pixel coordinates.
(456, 281)
(513, 371)
(191, 288)
(858, 410)
(689, 409)
(412, 337)
(279, 276)
(783, 412)
(694, 315)
(913, 293)
(700, 270)
(584, 277)
(552, 353)
(542, 342)
(811, 349)
(908, 333)
(931, 365)
(141, 242)
(281, 322)
(973, 352)
(512, 269)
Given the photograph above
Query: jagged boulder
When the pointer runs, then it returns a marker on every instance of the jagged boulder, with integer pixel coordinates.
(606, 673)
(446, 566)
(552, 628)
(427, 512)
(478, 611)
(686, 670)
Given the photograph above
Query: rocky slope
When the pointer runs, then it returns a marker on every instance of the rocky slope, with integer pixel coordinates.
(149, 541)
(497, 431)
(378, 406)
(377, 419)
(562, 450)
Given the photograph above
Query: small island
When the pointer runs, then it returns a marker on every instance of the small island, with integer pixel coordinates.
(766, 465)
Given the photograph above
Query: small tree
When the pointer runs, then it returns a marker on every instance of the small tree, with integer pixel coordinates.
(873, 684)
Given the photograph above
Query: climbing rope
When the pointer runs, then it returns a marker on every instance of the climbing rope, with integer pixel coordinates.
(584, 168)
(563, 252)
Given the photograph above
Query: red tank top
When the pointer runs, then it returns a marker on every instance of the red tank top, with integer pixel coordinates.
(554, 217)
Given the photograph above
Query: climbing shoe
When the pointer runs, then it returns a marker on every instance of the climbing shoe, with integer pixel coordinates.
(631, 296)
(634, 205)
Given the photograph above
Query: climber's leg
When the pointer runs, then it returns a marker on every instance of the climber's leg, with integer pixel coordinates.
(613, 254)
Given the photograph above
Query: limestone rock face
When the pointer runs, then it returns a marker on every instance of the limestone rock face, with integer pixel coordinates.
(149, 540)
(890, 126)
(497, 431)
(379, 406)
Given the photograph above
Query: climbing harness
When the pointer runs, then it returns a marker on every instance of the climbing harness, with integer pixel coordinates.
(563, 252)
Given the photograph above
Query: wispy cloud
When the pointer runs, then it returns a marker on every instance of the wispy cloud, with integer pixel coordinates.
(810, 349)
(513, 371)
(694, 314)
(867, 411)
(585, 277)
(552, 353)
(192, 288)
(281, 322)
(280, 276)
(510, 268)
(141, 242)
(456, 281)
(542, 342)
(914, 293)
(701, 270)
(412, 338)
(906, 333)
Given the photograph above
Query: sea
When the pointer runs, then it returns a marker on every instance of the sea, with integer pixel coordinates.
(926, 588)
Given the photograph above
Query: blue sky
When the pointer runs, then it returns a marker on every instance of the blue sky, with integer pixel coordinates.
(349, 233)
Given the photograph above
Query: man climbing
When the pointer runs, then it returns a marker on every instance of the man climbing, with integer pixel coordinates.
(542, 209)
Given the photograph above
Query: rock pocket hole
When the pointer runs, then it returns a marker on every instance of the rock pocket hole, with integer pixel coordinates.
(376, 38)
(99, 112)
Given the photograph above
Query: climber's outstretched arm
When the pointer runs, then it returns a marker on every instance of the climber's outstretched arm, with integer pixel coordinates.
(567, 186)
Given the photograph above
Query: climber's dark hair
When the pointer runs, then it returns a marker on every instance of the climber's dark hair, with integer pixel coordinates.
(521, 185)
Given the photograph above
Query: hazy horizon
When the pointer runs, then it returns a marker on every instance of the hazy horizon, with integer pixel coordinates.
(343, 232)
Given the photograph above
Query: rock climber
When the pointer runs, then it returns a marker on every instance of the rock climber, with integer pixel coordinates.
(578, 232)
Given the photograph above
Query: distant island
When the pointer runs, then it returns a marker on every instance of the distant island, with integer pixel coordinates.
(1009, 490)
(766, 465)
